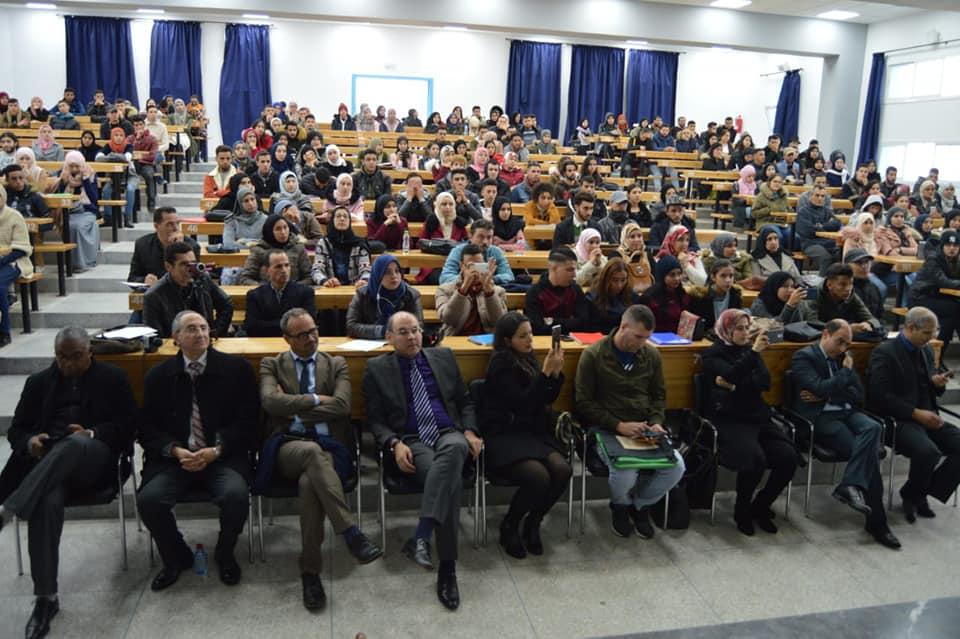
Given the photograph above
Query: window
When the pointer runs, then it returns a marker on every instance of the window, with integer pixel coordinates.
(950, 84)
(900, 84)
(928, 78)
(917, 158)
(947, 159)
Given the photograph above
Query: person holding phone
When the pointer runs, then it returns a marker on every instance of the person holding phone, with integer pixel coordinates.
(471, 304)
(736, 377)
(517, 422)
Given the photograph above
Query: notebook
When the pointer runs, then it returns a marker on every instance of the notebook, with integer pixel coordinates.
(587, 338)
(668, 339)
(483, 339)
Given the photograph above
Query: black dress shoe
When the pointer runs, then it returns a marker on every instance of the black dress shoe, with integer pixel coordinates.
(510, 539)
(364, 550)
(923, 509)
(531, 535)
(4, 339)
(853, 497)
(447, 591)
(168, 575)
(44, 610)
(418, 550)
(229, 569)
(314, 598)
(641, 522)
(884, 537)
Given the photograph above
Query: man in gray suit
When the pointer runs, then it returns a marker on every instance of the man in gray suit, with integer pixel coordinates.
(306, 395)
(419, 409)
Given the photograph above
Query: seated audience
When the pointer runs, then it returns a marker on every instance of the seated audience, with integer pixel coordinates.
(735, 377)
(941, 270)
(414, 201)
(540, 208)
(386, 224)
(369, 181)
(422, 417)
(334, 162)
(568, 231)
(507, 227)
(830, 395)
(862, 236)
(443, 224)
(905, 383)
(304, 226)
(780, 298)
(183, 287)
(724, 246)
(771, 198)
(72, 421)
(814, 215)
(590, 257)
(21, 195)
(266, 181)
(610, 296)
(677, 244)
(289, 189)
(267, 303)
(384, 294)
(620, 388)
(672, 215)
(244, 227)
(481, 234)
(836, 299)
(523, 191)
(147, 263)
(518, 422)
(276, 235)
(720, 293)
(198, 427)
(77, 178)
(342, 258)
(343, 195)
(667, 299)
(633, 251)
(45, 148)
(472, 303)
(769, 257)
(864, 286)
(306, 396)
(556, 299)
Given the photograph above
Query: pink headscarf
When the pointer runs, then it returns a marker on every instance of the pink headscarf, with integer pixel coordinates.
(666, 248)
(744, 187)
(727, 322)
(480, 166)
(581, 248)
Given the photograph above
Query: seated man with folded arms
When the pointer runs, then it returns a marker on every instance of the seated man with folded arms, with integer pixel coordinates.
(836, 299)
(905, 384)
(72, 421)
(472, 303)
(557, 299)
(197, 428)
(269, 302)
(481, 235)
(185, 288)
(620, 388)
(306, 396)
(830, 396)
(421, 414)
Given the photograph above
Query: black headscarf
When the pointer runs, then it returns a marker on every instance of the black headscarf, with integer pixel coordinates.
(378, 210)
(761, 252)
(268, 235)
(509, 229)
(768, 294)
(341, 239)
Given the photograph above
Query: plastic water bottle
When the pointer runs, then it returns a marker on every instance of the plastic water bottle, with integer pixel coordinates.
(405, 243)
(200, 561)
(521, 246)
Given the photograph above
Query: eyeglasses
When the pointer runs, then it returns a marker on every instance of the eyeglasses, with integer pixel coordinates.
(313, 332)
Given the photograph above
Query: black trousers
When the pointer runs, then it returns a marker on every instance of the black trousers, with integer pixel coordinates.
(72, 466)
(926, 448)
(750, 449)
(228, 489)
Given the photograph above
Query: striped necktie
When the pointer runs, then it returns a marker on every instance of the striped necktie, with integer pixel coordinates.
(197, 439)
(426, 420)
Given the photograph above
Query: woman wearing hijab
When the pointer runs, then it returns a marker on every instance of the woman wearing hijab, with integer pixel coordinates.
(277, 234)
(88, 146)
(118, 150)
(507, 227)
(264, 139)
(304, 227)
(342, 258)
(229, 201)
(385, 294)
(948, 198)
(769, 257)
(334, 161)
(941, 270)
(590, 258)
(244, 227)
(837, 174)
(36, 177)
(343, 194)
(443, 225)
(780, 298)
(478, 170)
(290, 190)
(746, 185)
(736, 377)
(666, 298)
(386, 224)
(280, 159)
(633, 251)
(676, 244)
(724, 246)
(45, 147)
(37, 111)
(78, 179)
(15, 250)
(863, 236)
(927, 200)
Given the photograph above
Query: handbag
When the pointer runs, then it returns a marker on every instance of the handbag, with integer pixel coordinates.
(437, 246)
(216, 216)
(801, 331)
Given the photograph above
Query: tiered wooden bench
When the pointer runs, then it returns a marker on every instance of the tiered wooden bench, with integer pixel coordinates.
(29, 299)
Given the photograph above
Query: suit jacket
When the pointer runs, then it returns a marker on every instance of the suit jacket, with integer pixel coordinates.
(264, 310)
(383, 391)
(894, 390)
(563, 232)
(812, 373)
(332, 378)
(229, 409)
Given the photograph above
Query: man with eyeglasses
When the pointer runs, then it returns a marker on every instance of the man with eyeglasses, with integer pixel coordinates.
(269, 302)
(306, 396)
(185, 287)
(198, 426)
(422, 416)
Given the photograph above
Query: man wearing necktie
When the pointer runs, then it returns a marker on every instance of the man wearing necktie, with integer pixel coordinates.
(306, 395)
(198, 426)
(421, 414)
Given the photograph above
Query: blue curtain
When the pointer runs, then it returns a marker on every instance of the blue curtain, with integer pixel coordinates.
(786, 123)
(175, 60)
(244, 78)
(870, 129)
(533, 82)
(100, 56)
(652, 85)
(596, 86)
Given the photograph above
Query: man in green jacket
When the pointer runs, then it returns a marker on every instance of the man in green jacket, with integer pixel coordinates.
(620, 388)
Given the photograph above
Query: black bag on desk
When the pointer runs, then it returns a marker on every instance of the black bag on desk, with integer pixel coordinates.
(437, 247)
(802, 331)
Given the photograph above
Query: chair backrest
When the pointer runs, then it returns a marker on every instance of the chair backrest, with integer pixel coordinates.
(700, 393)
(791, 392)
(476, 393)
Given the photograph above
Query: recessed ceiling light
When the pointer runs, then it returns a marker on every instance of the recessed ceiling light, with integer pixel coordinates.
(40, 5)
(639, 43)
(256, 16)
(838, 15)
(149, 10)
(730, 4)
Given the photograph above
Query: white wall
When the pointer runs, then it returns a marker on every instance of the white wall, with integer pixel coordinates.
(33, 48)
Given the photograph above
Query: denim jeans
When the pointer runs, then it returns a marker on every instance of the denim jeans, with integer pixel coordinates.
(880, 284)
(642, 488)
(657, 173)
(133, 182)
(8, 275)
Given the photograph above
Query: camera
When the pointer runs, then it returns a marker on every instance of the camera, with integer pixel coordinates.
(197, 269)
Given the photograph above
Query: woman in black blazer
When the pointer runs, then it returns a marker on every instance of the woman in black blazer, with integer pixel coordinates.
(518, 422)
(750, 443)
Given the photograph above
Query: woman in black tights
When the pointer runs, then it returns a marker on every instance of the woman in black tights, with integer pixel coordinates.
(518, 431)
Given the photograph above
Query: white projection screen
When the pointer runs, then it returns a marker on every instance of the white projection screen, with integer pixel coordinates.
(399, 92)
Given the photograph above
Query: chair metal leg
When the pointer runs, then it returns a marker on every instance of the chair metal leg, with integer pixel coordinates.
(263, 554)
(383, 511)
(16, 534)
(666, 509)
(956, 495)
(893, 462)
(150, 543)
(476, 508)
(833, 473)
(583, 485)
(713, 508)
(786, 506)
(250, 529)
(136, 507)
(806, 496)
(123, 527)
(570, 486)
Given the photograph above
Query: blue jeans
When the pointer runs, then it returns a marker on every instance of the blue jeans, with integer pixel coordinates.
(133, 182)
(642, 488)
(8, 275)
(880, 284)
(657, 173)
(854, 436)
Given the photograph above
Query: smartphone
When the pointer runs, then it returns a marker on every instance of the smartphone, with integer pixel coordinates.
(480, 267)
(775, 335)
(556, 335)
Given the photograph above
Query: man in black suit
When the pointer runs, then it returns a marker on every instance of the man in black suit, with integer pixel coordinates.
(905, 384)
(72, 421)
(421, 414)
(267, 303)
(830, 393)
(568, 231)
(198, 425)
(147, 263)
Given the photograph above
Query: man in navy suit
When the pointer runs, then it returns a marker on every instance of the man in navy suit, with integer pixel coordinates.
(267, 303)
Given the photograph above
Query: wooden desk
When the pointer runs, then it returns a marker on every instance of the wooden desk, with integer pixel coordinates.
(679, 363)
(902, 266)
(526, 260)
(223, 259)
(115, 170)
(950, 291)
(829, 235)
